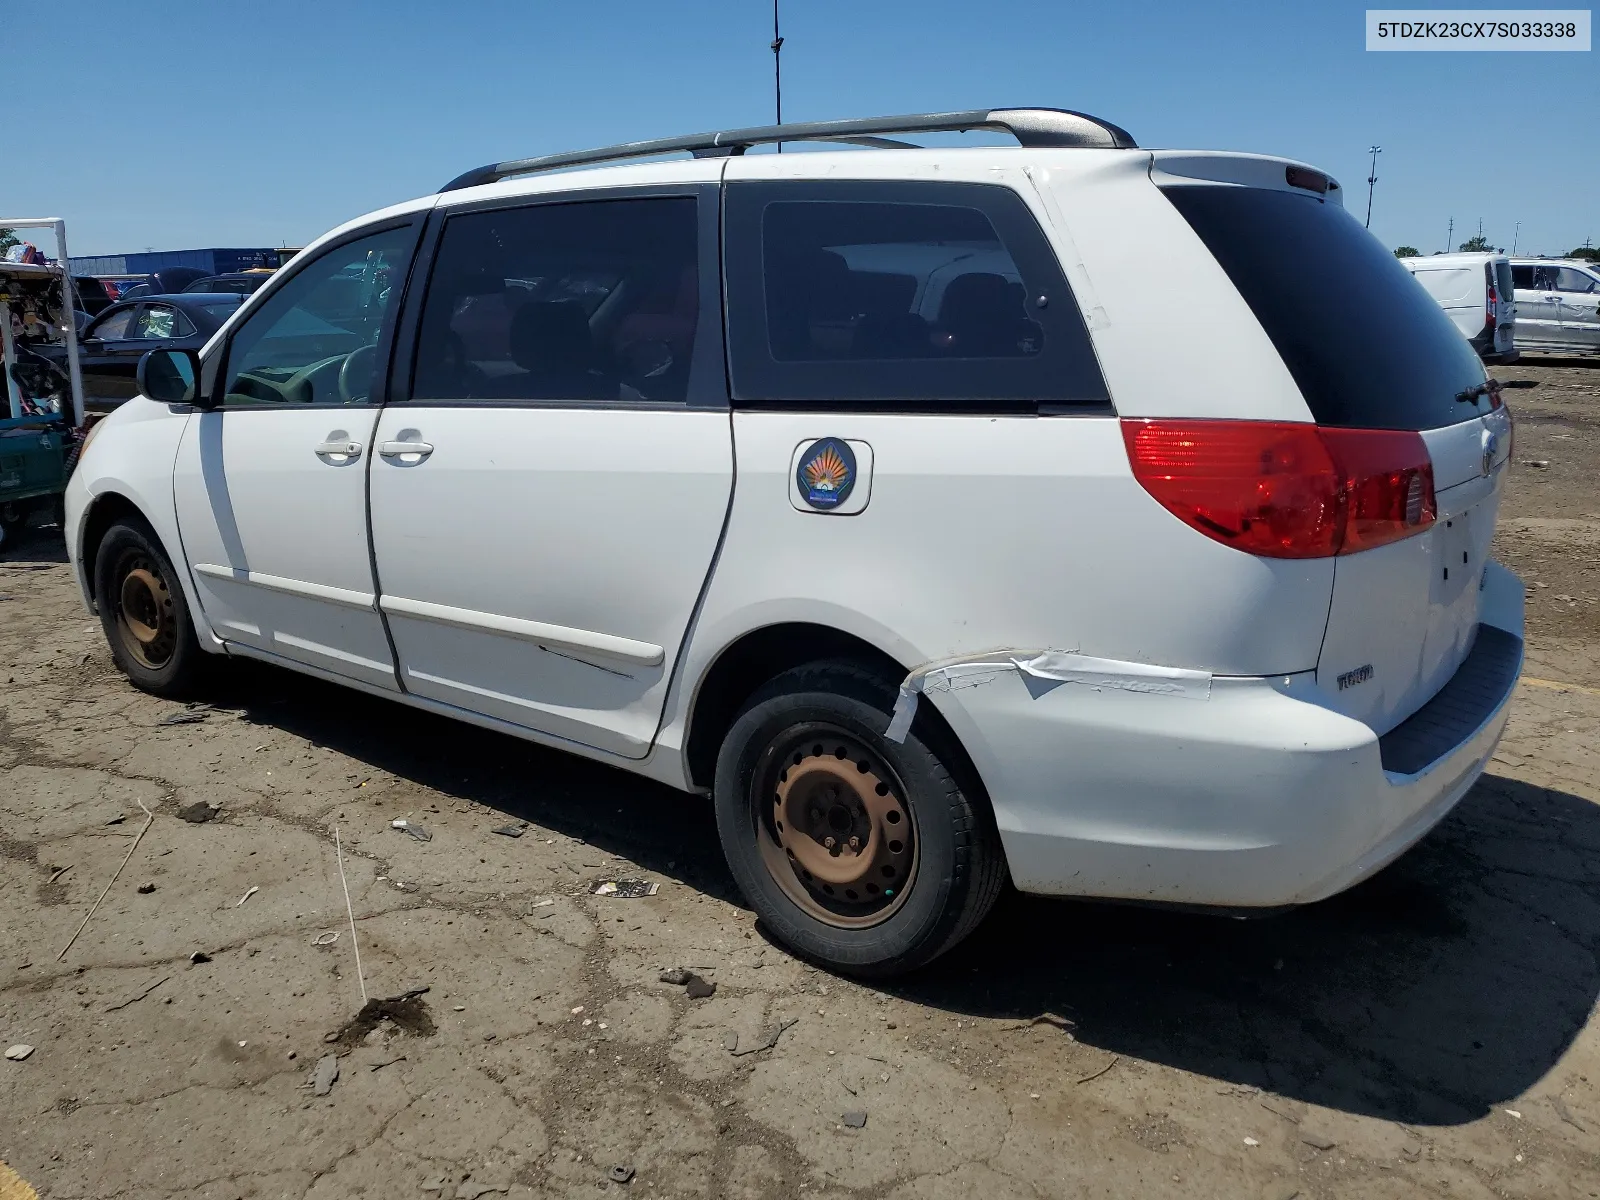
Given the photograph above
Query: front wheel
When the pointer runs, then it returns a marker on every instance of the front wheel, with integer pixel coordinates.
(861, 854)
(144, 613)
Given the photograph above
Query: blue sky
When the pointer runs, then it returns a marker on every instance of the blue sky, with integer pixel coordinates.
(204, 123)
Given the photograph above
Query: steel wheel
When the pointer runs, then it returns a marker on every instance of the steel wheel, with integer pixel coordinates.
(834, 828)
(145, 622)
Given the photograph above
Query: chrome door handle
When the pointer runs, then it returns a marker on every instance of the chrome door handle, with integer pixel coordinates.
(405, 449)
(339, 450)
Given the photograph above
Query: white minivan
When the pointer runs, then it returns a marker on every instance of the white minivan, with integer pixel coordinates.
(874, 495)
(1558, 304)
(1475, 291)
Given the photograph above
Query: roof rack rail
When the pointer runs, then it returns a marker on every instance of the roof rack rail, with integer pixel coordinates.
(1030, 126)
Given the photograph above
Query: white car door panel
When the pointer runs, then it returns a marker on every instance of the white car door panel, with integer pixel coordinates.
(270, 485)
(276, 535)
(547, 506)
(1578, 295)
(541, 565)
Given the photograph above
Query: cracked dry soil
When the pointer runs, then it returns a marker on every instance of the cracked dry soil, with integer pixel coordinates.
(1430, 1033)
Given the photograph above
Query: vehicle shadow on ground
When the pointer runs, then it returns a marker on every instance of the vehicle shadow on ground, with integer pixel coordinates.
(1449, 984)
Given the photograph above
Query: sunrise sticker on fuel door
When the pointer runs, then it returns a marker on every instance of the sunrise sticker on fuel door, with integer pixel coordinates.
(826, 473)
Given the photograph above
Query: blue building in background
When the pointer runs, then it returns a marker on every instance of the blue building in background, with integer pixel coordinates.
(216, 261)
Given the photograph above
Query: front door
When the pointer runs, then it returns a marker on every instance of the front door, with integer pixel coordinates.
(271, 484)
(547, 503)
(1538, 307)
(1578, 295)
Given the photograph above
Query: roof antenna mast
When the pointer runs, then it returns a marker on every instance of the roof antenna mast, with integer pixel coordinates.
(777, 69)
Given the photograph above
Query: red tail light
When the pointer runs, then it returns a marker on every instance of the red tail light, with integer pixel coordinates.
(1286, 490)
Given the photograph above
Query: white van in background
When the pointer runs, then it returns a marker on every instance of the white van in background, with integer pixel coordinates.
(1559, 301)
(1476, 291)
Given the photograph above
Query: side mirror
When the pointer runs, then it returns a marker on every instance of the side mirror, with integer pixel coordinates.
(170, 376)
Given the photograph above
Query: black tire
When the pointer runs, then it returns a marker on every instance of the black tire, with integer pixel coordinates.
(137, 589)
(958, 869)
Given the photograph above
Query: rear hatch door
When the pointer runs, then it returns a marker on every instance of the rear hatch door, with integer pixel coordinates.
(1369, 349)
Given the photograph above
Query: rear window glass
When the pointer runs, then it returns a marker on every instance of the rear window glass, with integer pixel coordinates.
(926, 294)
(1502, 280)
(1368, 348)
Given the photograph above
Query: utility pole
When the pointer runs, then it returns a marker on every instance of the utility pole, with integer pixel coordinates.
(1515, 234)
(777, 68)
(1449, 237)
(1372, 179)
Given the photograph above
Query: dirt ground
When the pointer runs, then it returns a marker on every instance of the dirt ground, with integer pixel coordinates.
(1430, 1033)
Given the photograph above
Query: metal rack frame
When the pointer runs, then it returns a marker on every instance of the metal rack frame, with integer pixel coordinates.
(1032, 127)
(70, 326)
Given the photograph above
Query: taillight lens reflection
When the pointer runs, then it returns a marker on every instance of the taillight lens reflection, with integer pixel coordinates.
(1284, 489)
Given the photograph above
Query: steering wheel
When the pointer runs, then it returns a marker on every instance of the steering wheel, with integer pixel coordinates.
(296, 389)
(357, 372)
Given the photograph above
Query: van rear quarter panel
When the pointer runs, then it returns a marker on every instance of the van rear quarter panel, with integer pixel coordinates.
(996, 532)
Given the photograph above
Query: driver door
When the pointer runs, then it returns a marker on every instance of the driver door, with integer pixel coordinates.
(270, 482)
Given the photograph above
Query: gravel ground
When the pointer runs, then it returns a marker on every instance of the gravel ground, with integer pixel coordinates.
(1429, 1033)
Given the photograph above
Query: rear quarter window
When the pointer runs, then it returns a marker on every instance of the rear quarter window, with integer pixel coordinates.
(1368, 347)
(929, 296)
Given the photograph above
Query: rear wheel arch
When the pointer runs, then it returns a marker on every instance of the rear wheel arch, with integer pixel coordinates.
(745, 665)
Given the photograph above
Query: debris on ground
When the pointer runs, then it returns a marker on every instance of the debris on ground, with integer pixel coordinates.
(116, 820)
(625, 889)
(192, 716)
(59, 872)
(149, 820)
(416, 831)
(1115, 1059)
(387, 1063)
(138, 996)
(699, 989)
(197, 813)
(620, 1174)
(854, 1120)
(1317, 1141)
(408, 1011)
(253, 890)
(145, 889)
(676, 976)
(1537, 463)
(1565, 1113)
(199, 956)
(471, 1189)
(514, 831)
(768, 1039)
(327, 1071)
(1055, 1019)
(18, 1052)
(326, 938)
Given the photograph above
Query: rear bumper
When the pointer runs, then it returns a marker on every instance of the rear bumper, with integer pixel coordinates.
(1257, 796)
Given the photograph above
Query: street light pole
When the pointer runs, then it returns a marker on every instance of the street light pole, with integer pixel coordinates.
(1372, 178)
(777, 68)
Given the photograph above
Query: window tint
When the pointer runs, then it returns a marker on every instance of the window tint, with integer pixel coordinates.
(1568, 280)
(1367, 348)
(114, 327)
(893, 293)
(1522, 277)
(315, 340)
(592, 300)
(160, 321)
(1502, 279)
